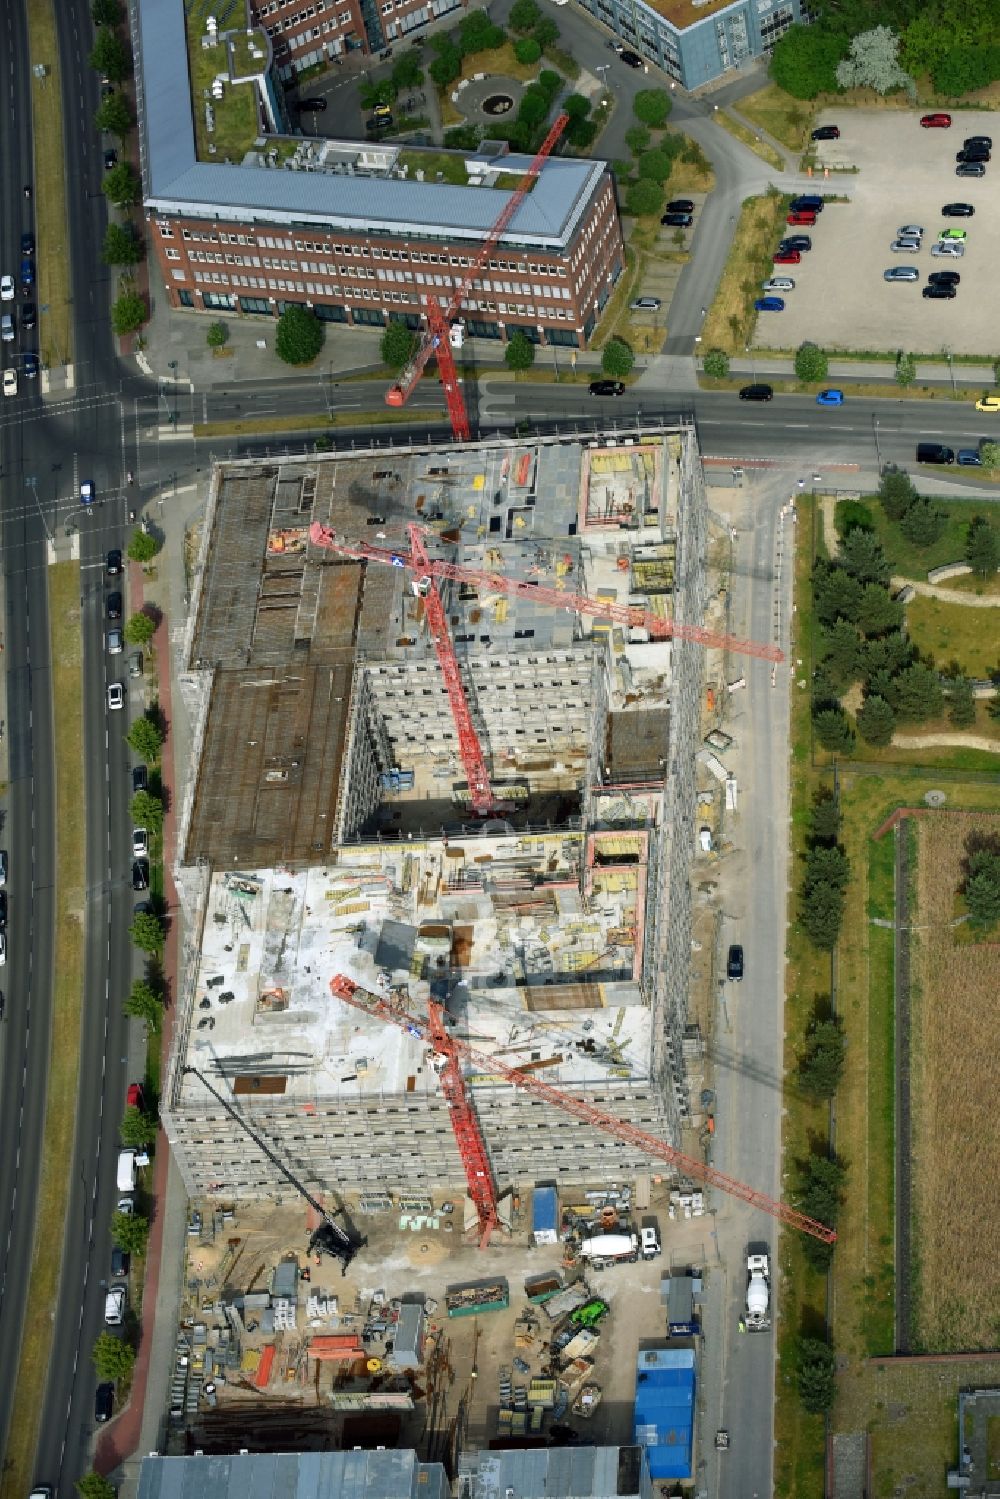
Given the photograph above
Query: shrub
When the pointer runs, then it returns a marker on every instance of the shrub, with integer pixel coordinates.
(982, 886)
(397, 344)
(717, 364)
(822, 1065)
(519, 353)
(146, 737)
(896, 492)
(299, 337)
(93, 1486)
(217, 335)
(852, 515)
(923, 523)
(617, 358)
(833, 730)
(906, 370)
(527, 50)
(817, 1375)
(811, 363)
(982, 549)
(651, 106)
(804, 61)
(128, 313)
(139, 629)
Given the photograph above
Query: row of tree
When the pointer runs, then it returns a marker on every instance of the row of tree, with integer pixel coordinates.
(123, 245)
(887, 46)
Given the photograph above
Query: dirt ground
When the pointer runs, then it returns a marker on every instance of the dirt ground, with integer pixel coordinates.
(463, 1398)
(905, 174)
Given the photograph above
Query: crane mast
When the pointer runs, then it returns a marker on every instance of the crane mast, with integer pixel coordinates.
(373, 1004)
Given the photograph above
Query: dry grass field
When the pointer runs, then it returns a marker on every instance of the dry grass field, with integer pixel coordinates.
(956, 1072)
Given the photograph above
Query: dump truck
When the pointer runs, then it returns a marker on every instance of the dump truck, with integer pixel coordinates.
(610, 1249)
(758, 1312)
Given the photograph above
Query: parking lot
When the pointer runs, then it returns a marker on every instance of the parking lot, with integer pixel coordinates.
(906, 174)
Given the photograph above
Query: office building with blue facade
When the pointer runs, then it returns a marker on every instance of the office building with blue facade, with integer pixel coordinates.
(697, 43)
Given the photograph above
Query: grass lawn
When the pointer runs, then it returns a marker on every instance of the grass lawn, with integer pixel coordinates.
(909, 561)
(786, 119)
(67, 998)
(952, 632)
(743, 133)
(237, 125)
(314, 421)
(730, 320)
(51, 229)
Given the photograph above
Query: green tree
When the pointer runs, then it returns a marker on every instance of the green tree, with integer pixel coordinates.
(822, 1064)
(824, 817)
(146, 932)
(645, 197)
(876, 721)
(139, 629)
(527, 50)
(477, 33)
(577, 106)
(617, 358)
(852, 515)
(446, 66)
(716, 364)
(137, 1129)
(982, 549)
(873, 62)
(519, 353)
(549, 82)
(886, 653)
(989, 452)
(114, 116)
(879, 612)
(142, 547)
(821, 1188)
(841, 653)
(804, 61)
(397, 344)
(546, 33)
(821, 915)
(637, 138)
(147, 811)
(961, 703)
(106, 13)
(128, 313)
(93, 1486)
(145, 1003)
(383, 91)
(130, 1231)
(120, 246)
(651, 106)
(109, 55)
(407, 72)
(217, 336)
(534, 106)
(906, 370)
(121, 186)
(923, 523)
(962, 70)
(655, 165)
(299, 337)
(982, 886)
(836, 594)
(816, 1375)
(581, 134)
(524, 15)
(896, 493)
(827, 864)
(113, 1358)
(146, 737)
(811, 362)
(860, 554)
(833, 730)
(916, 694)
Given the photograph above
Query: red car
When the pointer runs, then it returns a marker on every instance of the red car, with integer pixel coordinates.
(936, 122)
(801, 216)
(134, 1097)
(787, 257)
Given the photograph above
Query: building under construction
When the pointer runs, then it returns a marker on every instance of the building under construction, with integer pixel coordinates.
(334, 823)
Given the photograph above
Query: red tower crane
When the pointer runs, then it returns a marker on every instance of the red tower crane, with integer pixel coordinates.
(573, 603)
(469, 1136)
(437, 339)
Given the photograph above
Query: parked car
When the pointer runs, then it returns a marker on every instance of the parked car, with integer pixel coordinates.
(968, 458)
(957, 211)
(29, 315)
(778, 283)
(935, 121)
(944, 278)
(826, 133)
(811, 201)
(979, 140)
(140, 842)
(114, 1305)
(734, 963)
(905, 246)
(30, 366)
(3, 948)
(3, 866)
(6, 288)
(970, 169)
(313, 104)
(110, 158)
(934, 452)
(756, 393)
(135, 664)
(120, 1261)
(10, 382)
(973, 153)
(134, 1098)
(27, 273)
(786, 257)
(8, 330)
(607, 387)
(104, 1402)
(632, 59)
(115, 642)
(644, 304)
(116, 696)
(140, 778)
(113, 563)
(796, 242)
(830, 398)
(28, 242)
(953, 234)
(910, 231)
(140, 874)
(938, 293)
(901, 273)
(769, 304)
(680, 205)
(678, 220)
(946, 249)
(805, 216)
(113, 605)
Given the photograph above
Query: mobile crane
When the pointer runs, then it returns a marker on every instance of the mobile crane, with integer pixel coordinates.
(328, 1237)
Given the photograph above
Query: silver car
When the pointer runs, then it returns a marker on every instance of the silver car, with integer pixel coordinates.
(910, 231)
(948, 249)
(901, 273)
(909, 246)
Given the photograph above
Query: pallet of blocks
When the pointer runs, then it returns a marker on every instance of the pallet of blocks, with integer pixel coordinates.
(577, 1373)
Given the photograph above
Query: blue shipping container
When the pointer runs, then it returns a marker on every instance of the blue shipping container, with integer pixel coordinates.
(545, 1215)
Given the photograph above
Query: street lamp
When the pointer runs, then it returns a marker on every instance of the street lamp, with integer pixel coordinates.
(951, 371)
(753, 363)
(878, 451)
(31, 482)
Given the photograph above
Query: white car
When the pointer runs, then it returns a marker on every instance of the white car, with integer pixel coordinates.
(6, 288)
(114, 1306)
(10, 382)
(87, 492)
(125, 1206)
(3, 866)
(3, 949)
(778, 283)
(116, 696)
(949, 249)
(140, 842)
(115, 642)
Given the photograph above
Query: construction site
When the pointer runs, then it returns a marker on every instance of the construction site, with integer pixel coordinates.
(436, 864)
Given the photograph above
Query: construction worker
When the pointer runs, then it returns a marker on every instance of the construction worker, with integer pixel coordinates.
(742, 1325)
